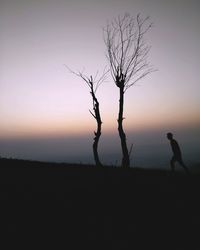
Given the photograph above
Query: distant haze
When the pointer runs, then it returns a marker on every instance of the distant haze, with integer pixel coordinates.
(44, 108)
(150, 148)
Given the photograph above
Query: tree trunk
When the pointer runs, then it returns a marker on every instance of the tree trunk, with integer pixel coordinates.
(97, 134)
(125, 154)
(96, 140)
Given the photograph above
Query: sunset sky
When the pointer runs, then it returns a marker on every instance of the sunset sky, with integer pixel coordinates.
(40, 98)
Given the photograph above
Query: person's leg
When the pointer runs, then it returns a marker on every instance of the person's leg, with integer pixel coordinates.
(183, 165)
(172, 163)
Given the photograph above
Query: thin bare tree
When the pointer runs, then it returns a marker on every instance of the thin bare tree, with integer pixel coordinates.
(127, 53)
(93, 84)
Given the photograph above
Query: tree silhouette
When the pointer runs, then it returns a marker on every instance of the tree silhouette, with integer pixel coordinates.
(93, 85)
(127, 54)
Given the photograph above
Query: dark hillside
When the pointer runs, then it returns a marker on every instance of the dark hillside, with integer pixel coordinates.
(78, 206)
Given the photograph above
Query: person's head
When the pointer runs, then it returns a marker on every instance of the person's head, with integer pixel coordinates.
(169, 136)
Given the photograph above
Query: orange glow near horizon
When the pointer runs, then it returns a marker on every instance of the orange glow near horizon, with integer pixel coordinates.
(44, 128)
(86, 125)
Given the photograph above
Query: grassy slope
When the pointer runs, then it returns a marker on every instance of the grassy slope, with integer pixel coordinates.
(102, 208)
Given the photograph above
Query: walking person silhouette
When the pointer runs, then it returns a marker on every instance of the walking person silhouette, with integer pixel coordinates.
(177, 156)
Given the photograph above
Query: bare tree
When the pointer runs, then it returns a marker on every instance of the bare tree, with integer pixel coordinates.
(127, 53)
(93, 85)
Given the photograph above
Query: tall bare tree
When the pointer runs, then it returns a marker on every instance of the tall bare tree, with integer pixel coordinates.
(93, 84)
(127, 53)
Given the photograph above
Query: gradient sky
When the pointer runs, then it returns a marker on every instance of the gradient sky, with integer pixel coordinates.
(40, 98)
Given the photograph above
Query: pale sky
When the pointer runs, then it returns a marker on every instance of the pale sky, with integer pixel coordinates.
(40, 98)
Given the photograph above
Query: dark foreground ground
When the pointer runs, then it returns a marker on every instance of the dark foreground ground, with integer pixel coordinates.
(79, 207)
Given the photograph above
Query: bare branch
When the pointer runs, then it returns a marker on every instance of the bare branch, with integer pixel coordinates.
(92, 114)
(102, 78)
(130, 150)
(127, 50)
(93, 83)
